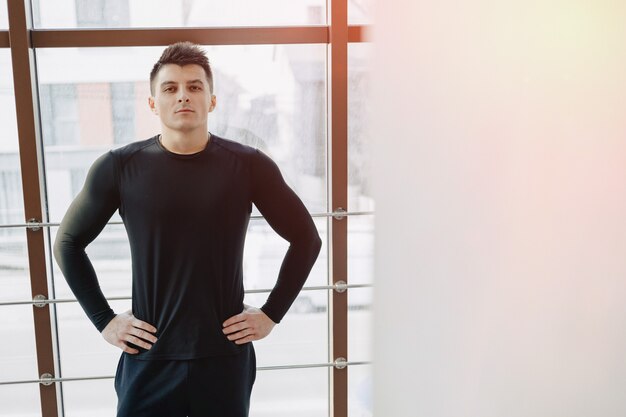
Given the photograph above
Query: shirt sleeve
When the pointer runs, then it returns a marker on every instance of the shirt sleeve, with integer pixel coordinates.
(84, 220)
(288, 216)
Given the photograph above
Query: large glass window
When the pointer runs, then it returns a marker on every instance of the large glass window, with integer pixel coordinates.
(269, 96)
(273, 97)
(176, 13)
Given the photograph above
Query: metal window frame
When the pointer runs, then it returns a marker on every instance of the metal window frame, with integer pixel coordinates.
(31, 152)
(22, 38)
(338, 185)
(68, 38)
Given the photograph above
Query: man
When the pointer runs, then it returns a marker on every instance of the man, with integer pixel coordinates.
(185, 197)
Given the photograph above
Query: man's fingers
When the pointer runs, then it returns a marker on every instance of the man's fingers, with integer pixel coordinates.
(143, 325)
(234, 319)
(127, 348)
(143, 334)
(245, 340)
(239, 335)
(138, 342)
(235, 327)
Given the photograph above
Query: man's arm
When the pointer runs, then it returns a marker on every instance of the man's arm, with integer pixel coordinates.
(82, 223)
(288, 216)
(84, 220)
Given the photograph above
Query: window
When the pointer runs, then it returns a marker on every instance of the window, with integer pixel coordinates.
(269, 96)
(274, 96)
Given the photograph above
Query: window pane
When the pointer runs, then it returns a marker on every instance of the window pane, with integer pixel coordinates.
(11, 198)
(360, 394)
(360, 12)
(176, 13)
(361, 249)
(95, 398)
(263, 257)
(83, 350)
(360, 324)
(359, 140)
(300, 338)
(269, 96)
(110, 255)
(17, 351)
(291, 392)
(20, 400)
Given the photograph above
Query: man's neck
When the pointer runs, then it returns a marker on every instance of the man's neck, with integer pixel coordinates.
(185, 142)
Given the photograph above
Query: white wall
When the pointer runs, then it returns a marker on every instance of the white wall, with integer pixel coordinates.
(500, 152)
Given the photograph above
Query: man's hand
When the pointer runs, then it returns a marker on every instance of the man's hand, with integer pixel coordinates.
(251, 324)
(126, 327)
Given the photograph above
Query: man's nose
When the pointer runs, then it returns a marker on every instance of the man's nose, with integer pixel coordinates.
(182, 96)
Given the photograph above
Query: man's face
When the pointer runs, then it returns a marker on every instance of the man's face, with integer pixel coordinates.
(182, 98)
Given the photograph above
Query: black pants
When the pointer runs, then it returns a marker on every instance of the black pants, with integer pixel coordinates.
(217, 386)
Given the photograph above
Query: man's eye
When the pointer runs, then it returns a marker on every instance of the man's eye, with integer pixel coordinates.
(168, 89)
(196, 87)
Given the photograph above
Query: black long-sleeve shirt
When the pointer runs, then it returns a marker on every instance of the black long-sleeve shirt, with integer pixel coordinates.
(186, 216)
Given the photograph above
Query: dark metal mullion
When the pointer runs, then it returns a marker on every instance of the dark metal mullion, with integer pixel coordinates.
(20, 26)
(48, 38)
(338, 112)
(55, 38)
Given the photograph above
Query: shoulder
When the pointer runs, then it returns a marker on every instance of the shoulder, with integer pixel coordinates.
(255, 157)
(125, 152)
(239, 149)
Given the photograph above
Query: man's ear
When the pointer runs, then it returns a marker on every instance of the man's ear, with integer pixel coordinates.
(152, 106)
(213, 103)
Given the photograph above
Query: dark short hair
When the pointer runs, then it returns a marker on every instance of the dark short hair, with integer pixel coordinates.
(182, 53)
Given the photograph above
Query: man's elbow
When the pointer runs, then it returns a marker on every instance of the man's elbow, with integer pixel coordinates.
(64, 244)
(318, 242)
(58, 247)
(308, 240)
(315, 243)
